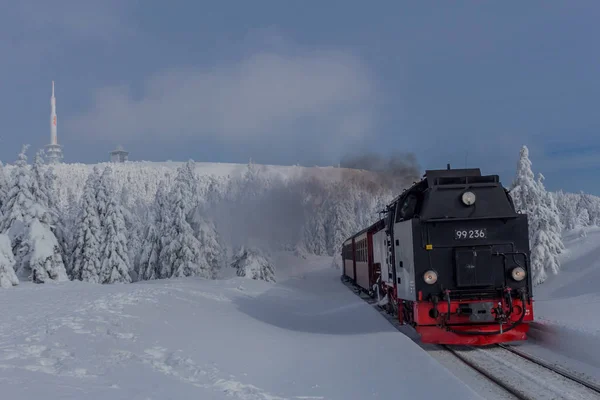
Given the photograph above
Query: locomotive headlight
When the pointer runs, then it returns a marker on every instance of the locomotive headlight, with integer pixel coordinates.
(468, 198)
(430, 277)
(518, 274)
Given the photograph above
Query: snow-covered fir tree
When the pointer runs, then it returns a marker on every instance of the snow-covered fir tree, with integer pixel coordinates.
(114, 255)
(251, 263)
(315, 200)
(19, 200)
(45, 193)
(545, 239)
(8, 278)
(44, 258)
(40, 187)
(153, 241)
(4, 186)
(583, 219)
(210, 248)
(88, 237)
(524, 191)
(29, 221)
(134, 229)
(342, 219)
(181, 255)
(101, 193)
(566, 210)
(187, 183)
(115, 267)
(149, 257)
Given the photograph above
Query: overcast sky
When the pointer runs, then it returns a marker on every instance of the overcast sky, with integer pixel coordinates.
(309, 82)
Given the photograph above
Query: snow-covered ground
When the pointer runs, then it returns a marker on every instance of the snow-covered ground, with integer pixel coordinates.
(567, 308)
(305, 337)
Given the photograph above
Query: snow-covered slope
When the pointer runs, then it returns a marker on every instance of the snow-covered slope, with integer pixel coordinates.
(305, 337)
(567, 328)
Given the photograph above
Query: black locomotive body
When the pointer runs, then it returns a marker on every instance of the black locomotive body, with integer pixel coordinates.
(453, 259)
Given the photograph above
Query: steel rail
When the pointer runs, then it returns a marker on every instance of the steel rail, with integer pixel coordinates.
(553, 368)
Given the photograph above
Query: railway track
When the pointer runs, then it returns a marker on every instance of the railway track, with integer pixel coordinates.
(555, 368)
(522, 375)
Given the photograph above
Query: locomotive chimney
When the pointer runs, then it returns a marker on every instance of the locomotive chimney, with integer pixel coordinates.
(448, 166)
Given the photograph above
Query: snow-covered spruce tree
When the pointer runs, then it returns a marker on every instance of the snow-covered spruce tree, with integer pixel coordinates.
(115, 267)
(342, 218)
(134, 229)
(566, 210)
(187, 183)
(114, 260)
(39, 184)
(19, 200)
(4, 186)
(8, 278)
(101, 193)
(313, 231)
(251, 263)
(210, 247)
(45, 193)
(181, 255)
(29, 224)
(148, 267)
(583, 219)
(592, 209)
(524, 191)
(545, 239)
(87, 239)
(153, 241)
(44, 257)
(68, 219)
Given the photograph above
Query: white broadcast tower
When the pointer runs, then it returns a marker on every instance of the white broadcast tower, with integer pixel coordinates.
(53, 150)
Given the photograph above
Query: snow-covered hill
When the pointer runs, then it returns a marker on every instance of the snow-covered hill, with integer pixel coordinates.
(567, 328)
(305, 337)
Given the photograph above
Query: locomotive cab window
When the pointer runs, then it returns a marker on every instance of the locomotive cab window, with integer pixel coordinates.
(408, 207)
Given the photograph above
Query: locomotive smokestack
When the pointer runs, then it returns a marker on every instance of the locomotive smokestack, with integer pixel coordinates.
(448, 167)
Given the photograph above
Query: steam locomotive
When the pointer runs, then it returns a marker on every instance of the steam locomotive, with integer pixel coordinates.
(449, 257)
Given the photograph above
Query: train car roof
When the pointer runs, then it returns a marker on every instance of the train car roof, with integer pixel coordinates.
(378, 225)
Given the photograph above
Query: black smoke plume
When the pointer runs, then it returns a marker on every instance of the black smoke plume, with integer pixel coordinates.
(394, 172)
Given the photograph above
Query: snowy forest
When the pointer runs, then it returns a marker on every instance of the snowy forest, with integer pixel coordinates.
(121, 223)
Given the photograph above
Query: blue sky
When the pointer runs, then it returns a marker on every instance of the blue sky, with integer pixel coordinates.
(308, 82)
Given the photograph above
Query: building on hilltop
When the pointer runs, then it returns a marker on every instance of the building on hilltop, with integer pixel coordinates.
(119, 155)
(54, 152)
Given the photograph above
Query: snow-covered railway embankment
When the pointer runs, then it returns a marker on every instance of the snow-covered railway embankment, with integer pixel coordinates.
(526, 378)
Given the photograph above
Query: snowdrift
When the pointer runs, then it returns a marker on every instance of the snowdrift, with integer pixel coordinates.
(567, 329)
(305, 337)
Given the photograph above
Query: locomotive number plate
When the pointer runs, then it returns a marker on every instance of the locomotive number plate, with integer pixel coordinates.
(461, 234)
